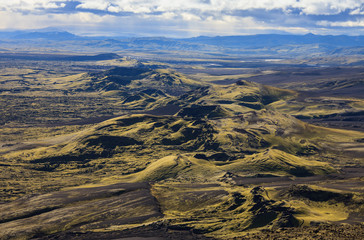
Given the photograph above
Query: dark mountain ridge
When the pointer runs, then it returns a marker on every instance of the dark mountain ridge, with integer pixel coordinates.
(329, 44)
(54, 35)
(271, 40)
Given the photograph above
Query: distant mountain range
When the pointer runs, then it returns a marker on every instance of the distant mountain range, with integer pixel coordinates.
(267, 43)
(49, 35)
(59, 57)
(55, 35)
(271, 40)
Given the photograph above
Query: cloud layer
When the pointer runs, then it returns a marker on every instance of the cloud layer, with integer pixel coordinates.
(187, 17)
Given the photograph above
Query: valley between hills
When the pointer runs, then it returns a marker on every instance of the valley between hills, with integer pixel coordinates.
(168, 146)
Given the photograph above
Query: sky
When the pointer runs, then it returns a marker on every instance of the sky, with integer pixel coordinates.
(185, 18)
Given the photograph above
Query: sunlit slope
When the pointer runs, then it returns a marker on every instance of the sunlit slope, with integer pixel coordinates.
(254, 142)
(140, 209)
(236, 98)
(85, 208)
(218, 129)
(322, 107)
(137, 88)
(230, 211)
(127, 80)
(227, 126)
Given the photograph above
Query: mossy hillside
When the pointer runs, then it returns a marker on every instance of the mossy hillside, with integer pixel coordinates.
(164, 168)
(204, 111)
(184, 158)
(257, 130)
(227, 212)
(84, 96)
(136, 136)
(222, 212)
(203, 166)
(88, 208)
(212, 207)
(129, 79)
(222, 132)
(278, 162)
(104, 93)
(236, 98)
(319, 107)
(315, 204)
(180, 168)
(138, 141)
(215, 210)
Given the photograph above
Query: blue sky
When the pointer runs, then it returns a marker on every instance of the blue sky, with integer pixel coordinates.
(185, 18)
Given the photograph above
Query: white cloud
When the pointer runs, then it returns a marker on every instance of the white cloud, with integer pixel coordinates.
(97, 5)
(316, 7)
(357, 11)
(213, 17)
(29, 21)
(189, 17)
(30, 5)
(356, 23)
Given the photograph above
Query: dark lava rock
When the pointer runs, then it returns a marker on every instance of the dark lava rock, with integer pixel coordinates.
(319, 195)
